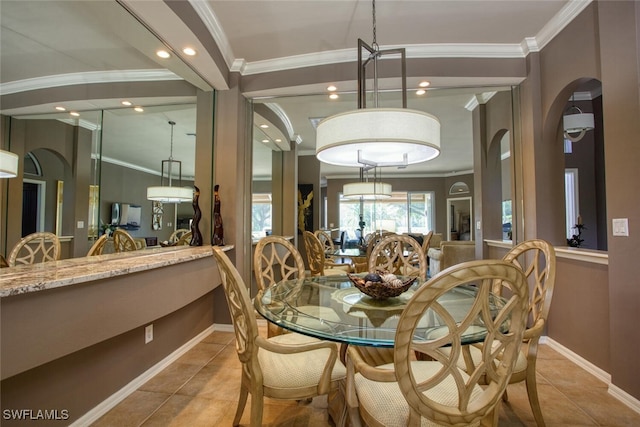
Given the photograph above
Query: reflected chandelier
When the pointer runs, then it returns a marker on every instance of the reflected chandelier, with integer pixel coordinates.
(577, 123)
(8, 164)
(374, 137)
(167, 193)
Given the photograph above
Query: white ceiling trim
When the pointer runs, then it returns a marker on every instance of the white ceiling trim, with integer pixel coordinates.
(212, 23)
(556, 24)
(476, 100)
(278, 111)
(89, 77)
(461, 50)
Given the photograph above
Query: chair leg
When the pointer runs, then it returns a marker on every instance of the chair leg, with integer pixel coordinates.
(257, 400)
(532, 393)
(242, 401)
(505, 396)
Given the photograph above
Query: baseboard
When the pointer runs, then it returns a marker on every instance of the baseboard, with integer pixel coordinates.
(602, 375)
(578, 360)
(222, 327)
(107, 404)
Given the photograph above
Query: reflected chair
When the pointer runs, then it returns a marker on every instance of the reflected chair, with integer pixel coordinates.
(122, 241)
(437, 391)
(401, 255)
(537, 259)
(185, 239)
(330, 248)
(176, 235)
(35, 248)
(289, 366)
(98, 246)
(319, 265)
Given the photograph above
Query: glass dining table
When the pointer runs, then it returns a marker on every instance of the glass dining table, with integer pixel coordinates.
(332, 308)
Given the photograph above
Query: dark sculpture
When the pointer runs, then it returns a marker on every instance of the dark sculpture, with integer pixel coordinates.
(218, 232)
(196, 236)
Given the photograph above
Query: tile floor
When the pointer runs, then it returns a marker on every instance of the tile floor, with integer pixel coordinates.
(201, 388)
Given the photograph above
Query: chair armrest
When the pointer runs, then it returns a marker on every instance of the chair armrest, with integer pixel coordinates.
(371, 372)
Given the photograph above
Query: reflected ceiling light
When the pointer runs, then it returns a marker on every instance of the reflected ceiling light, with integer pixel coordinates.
(168, 193)
(576, 123)
(366, 190)
(421, 92)
(189, 51)
(332, 88)
(75, 114)
(334, 96)
(424, 83)
(263, 126)
(372, 137)
(8, 164)
(61, 109)
(138, 109)
(126, 103)
(163, 54)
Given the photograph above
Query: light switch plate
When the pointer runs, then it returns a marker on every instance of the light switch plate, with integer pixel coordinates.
(620, 226)
(80, 224)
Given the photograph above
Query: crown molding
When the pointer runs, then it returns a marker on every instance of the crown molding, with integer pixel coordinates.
(278, 111)
(212, 23)
(89, 77)
(481, 98)
(556, 24)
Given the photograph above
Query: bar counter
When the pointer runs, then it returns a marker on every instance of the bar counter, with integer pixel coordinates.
(37, 277)
(74, 331)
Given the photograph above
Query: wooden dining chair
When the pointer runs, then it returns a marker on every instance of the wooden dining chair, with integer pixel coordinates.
(289, 366)
(276, 258)
(185, 239)
(405, 391)
(537, 259)
(399, 254)
(319, 265)
(35, 248)
(122, 241)
(98, 246)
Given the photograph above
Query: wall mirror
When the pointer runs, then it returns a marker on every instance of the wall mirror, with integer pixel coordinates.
(76, 169)
(452, 106)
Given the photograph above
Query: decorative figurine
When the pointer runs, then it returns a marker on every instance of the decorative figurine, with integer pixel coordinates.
(218, 232)
(196, 236)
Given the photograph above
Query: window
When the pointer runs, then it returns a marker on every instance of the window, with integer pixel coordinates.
(261, 213)
(571, 200)
(403, 212)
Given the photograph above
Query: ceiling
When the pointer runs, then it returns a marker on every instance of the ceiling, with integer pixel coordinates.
(59, 43)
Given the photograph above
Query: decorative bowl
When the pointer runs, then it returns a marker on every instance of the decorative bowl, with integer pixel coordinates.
(381, 289)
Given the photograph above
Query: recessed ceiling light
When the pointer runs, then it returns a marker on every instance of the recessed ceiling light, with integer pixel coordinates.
(334, 96)
(421, 92)
(265, 141)
(74, 114)
(424, 83)
(139, 109)
(332, 88)
(278, 140)
(127, 103)
(61, 109)
(189, 51)
(163, 54)
(263, 126)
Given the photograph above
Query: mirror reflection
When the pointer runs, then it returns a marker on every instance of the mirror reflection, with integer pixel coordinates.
(86, 176)
(428, 181)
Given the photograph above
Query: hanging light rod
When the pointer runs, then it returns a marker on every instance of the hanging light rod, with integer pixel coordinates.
(168, 193)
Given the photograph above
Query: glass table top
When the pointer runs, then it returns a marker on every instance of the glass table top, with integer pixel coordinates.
(331, 308)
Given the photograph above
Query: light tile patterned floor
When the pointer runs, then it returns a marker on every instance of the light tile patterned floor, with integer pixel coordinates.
(201, 388)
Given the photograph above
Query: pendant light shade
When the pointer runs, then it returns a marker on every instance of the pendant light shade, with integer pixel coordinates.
(366, 190)
(375, 137)
(576, 125)
(8, 164)
(168, 193)
(378, 137)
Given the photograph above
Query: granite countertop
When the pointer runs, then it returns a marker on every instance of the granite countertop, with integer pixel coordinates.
(37, 277)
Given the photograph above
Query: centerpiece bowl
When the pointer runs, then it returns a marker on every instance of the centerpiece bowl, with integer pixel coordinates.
(381, 285)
